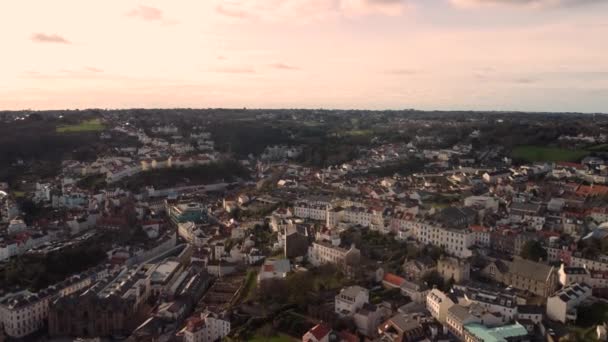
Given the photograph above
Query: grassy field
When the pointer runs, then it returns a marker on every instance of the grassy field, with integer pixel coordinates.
(19, 194)
(94, 125)
(278, 338)
(549, 154)
(599, 148)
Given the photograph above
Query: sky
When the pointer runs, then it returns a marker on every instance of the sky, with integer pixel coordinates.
(528, 55)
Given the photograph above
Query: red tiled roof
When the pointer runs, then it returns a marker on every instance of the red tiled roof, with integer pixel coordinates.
(348, 337)
(592, 190)
(393, 279)
(478, 228)
(319, 331)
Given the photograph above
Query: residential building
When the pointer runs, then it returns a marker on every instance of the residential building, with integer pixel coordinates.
(570, 275)
(537, 278)
(351, 299)
(438, 303)
(346, 259)
(475, 332)
(274, 269)
(401, 327)
(562, 305)
(367, 320)
(207, 327)
(458, 316)
(454, 269)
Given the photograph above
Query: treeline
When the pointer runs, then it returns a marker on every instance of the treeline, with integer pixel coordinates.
(37, 272)
(222, 171)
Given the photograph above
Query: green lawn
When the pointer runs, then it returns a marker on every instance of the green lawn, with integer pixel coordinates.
(19, 194)
(250, 284)
(278, 338)
(550, 154)
(93, 125)
(599, 148)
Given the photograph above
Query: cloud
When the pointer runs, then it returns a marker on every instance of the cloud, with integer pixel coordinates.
(232, 11)
(523, 3)
(235, 70)
(283, 66)
(524, 80)
(146, 13)
(401, 72)
(281, 10)
(49, 38)
(93, 69)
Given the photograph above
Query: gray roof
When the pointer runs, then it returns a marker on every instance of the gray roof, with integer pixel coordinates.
(530, 269)
(460, 312)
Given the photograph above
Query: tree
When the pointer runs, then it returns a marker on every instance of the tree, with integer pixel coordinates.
(533, 250)
(433, 279)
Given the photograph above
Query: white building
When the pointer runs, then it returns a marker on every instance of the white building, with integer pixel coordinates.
(438, 304)
(456, 242)
(326, 253)
(485, 202)
(571, 275)
(311, 211)
(350, 299)
(206, 328)
(562, 305)
(274, 269)
(24, 313)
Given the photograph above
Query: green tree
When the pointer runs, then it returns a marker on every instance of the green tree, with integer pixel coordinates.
(533, 250)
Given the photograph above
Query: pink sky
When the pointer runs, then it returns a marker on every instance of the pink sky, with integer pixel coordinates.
(427, 54)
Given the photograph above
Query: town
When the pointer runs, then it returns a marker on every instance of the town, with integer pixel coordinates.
(303, 225)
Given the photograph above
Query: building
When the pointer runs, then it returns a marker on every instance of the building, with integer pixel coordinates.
(562, 305)
(326, 253)
(89, 316)
(454, 269)
(350, 300)
(367, 320)
(401, 327)
(537, 278)
(25, 312)
(308, 210)
(457, 217)
(416, 290)
(318, 333)
(207, 327)
(497, 176)
(475, 332)
(497, 302)
(458, 316)
(485, 202)
(531, 313)
(274, 269)
(570, 275)
(438, 304)
(455, 242)
(193, 212)
(416, 268)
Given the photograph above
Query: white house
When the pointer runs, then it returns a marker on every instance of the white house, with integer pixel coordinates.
(562, 305)
(206, 328)
(350, 299)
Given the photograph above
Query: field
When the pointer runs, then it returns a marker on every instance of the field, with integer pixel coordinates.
(279, 338)
(599, 148)
(549, 154)
(94, 125)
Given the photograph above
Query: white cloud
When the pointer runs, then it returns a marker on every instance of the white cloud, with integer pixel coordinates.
(522, 3)
(280, 10)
